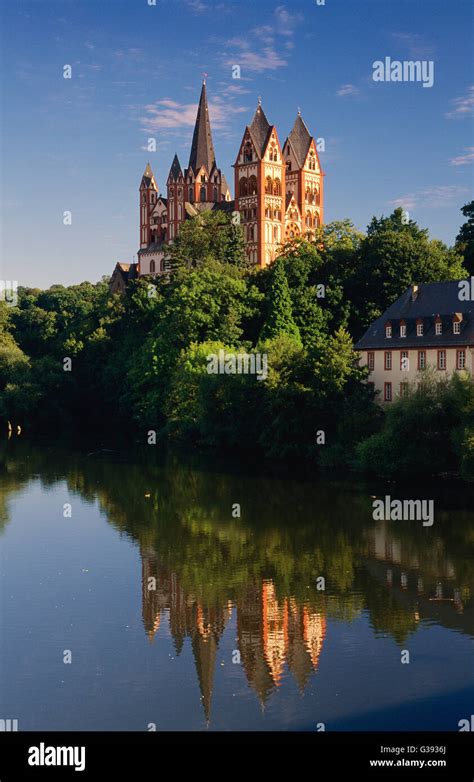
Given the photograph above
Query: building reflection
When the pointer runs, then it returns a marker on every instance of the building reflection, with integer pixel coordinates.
(272, 631)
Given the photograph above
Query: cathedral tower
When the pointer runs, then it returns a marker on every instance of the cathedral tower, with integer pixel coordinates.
(304, 182)
(148, 196)
(204, 183)
(176, 199)
(260, 189)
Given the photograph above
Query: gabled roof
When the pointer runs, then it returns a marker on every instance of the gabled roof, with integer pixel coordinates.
(175, 170)
(148, 177)
(128, 271)
(202, 148)
(432, 299)
(260, 130)
(300, 139)
(288, 199)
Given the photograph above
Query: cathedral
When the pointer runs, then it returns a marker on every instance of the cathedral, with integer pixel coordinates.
(278, 193)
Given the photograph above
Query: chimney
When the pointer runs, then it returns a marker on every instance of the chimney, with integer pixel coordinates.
(414, 292)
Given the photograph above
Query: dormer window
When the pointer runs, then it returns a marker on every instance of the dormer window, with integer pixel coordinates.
(388, 331)
(403, 329)
(457, 327)
(419, 328)
(438, 328)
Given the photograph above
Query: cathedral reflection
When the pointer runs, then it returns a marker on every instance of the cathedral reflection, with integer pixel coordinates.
(272, 631)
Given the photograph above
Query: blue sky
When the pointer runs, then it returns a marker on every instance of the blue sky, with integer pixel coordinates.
(79, 144)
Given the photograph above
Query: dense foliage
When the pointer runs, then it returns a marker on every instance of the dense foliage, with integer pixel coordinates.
(140, 363)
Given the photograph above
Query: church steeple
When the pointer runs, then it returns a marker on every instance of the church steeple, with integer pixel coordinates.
(259, 129)
(202, 148)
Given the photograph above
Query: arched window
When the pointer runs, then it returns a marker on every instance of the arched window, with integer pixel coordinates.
(243, 188)
(316, 221)
(269, 185)
(162, 265)
(288, 165)
(203, 193)
(191, 194)
(276, 233)
(277, 187)
(252, 185)
(144, 199)
(308, 219)
(215, 194)
(152, 267)
(318, 199)
(251, 233)
(248, 153)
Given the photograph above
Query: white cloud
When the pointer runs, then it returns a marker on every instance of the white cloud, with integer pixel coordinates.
(414, 43)
(463, 106)
(261, 54)
(167, 114)
(431, 197)
(464, 160)
(347, 89)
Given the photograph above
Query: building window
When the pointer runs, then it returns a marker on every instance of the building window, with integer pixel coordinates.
(419, 329)
(460, 359)
(388, 359)
(243, 187)
(269, 186)
(438, 328)
(457, 327)
(247, 153)
(371, 360)
(387, 392)
(403, 389)
(203, 193)
(441, 359)
(191, 194)
(422, 359)
(388, 331)
(215, 194)
(252, 185)
(152, 267)
(404, 362)
(277, 187)
(403, 330)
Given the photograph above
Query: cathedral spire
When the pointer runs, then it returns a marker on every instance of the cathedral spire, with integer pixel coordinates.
(259, 129)
(202, 148)
(300, 139)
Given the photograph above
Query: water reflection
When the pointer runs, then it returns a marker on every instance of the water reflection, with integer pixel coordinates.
(202, 568)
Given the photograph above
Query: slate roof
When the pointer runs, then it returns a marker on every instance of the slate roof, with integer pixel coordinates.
(300, 139)
(260, 130)
(175, 170)
(224, 185)
(224, 206)
(128, 271)
(202, 148)
(151, 248)
(147, 176)
(432, 300)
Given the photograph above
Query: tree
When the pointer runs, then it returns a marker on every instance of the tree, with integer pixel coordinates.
(208, 236)
(465, 237)
(394, 255)
(279, 318)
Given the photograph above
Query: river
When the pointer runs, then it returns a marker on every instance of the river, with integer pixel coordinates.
(142, 593)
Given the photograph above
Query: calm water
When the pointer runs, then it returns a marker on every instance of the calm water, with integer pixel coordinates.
(178, 614)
